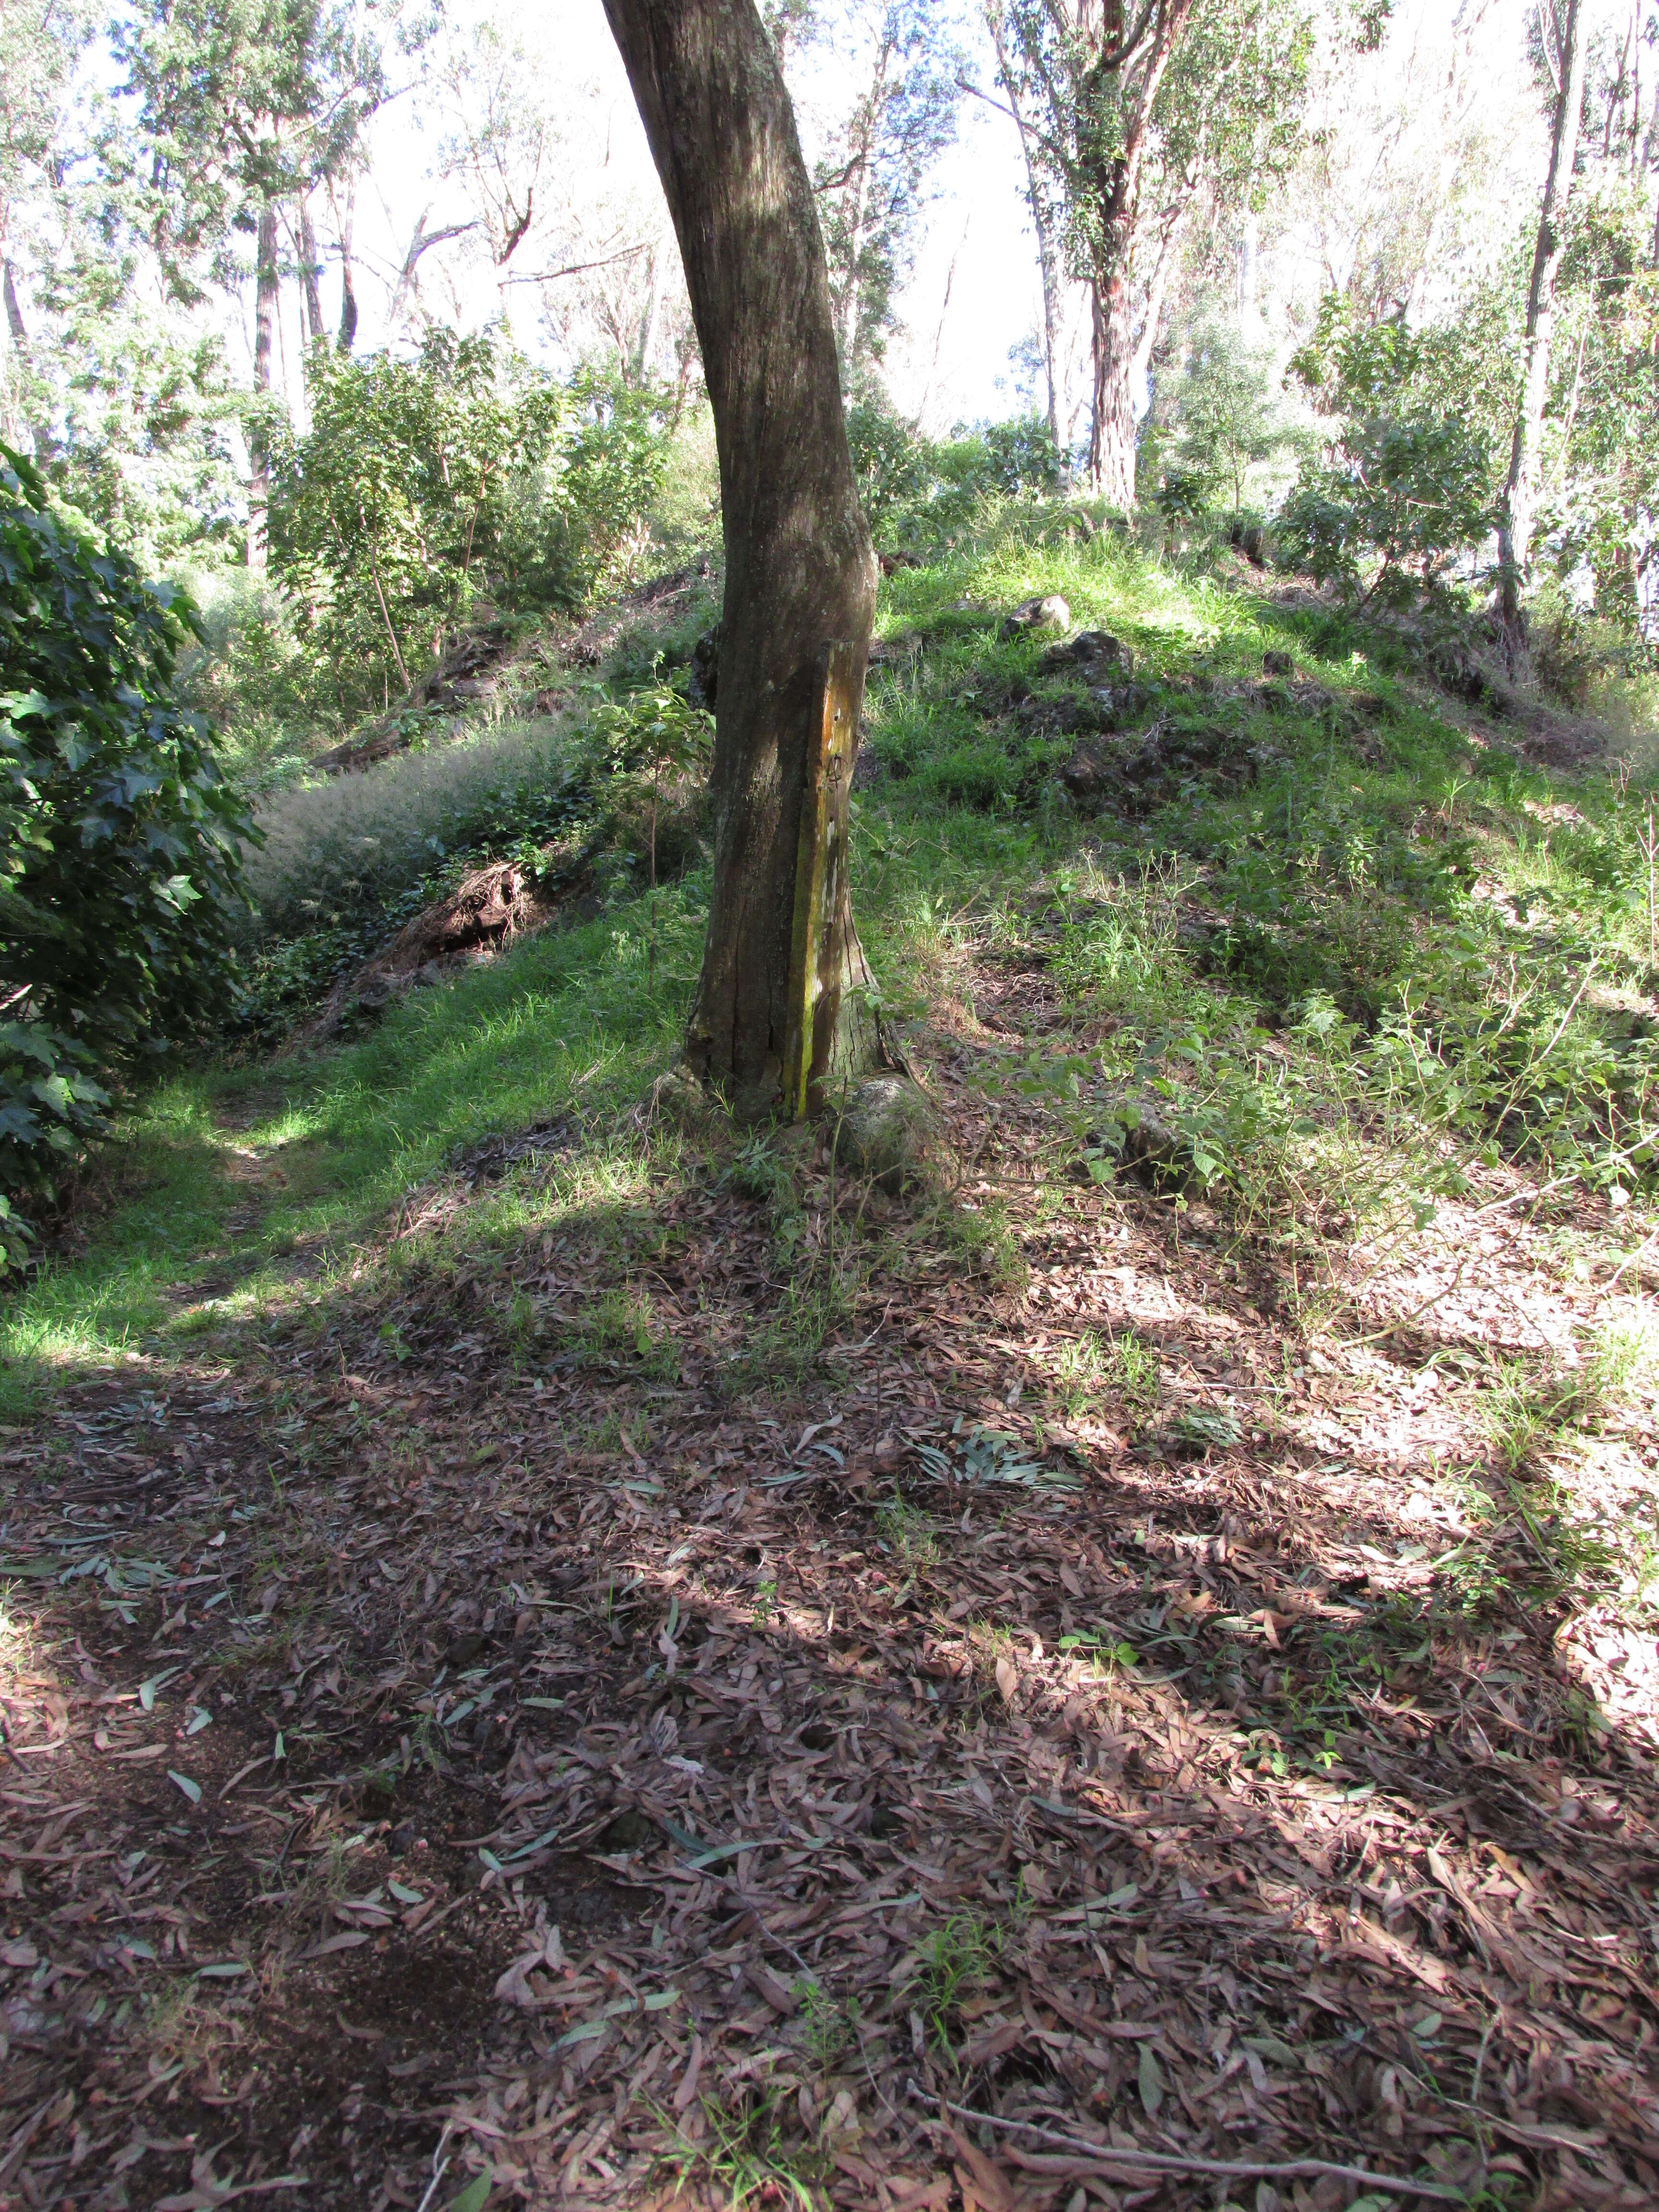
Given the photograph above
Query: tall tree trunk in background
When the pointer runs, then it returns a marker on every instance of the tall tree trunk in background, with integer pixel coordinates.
(348, 331)
(37, 440)
(258, 443)
(1110, 169)
(1042, 223)
(782, 1013)
(316, 333)
(864, 159)
(1112, 422)
(1516, 512)
(19, 335)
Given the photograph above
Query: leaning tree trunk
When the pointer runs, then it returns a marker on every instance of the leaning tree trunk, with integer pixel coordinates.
(783, 1011)
(1518, 507)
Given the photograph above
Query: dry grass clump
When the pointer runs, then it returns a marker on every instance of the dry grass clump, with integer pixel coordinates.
(394, 822)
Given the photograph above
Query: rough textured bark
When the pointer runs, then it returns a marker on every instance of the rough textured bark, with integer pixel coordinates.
(782, 957)
(316, 333)
(1518, 507)
(1112, 424)
(265, 326)
(1132, 57)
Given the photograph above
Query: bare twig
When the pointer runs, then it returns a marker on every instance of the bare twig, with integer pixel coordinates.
(1110, 2154)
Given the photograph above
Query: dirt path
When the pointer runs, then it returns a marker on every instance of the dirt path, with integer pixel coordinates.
(507, 1726)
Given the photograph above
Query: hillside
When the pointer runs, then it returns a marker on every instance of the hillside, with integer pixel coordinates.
(559, 1651)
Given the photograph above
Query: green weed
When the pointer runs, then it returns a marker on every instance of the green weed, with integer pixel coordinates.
(1081, 1369)
(909, 1534)
(955, 1959)
(1136, 1374)
(753, 2154)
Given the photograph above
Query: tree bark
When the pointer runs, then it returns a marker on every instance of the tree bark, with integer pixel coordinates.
(1042, 223)
(783, 1014)
(1112, 425)
(264, 325)
(1110, 164)
(1517, 510)
(316, 334)
(348, 331)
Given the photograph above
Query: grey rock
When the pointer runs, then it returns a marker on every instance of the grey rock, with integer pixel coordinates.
(1050, 612)
(888, 1129)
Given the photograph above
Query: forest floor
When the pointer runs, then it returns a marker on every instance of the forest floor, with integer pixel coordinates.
(646, 1674)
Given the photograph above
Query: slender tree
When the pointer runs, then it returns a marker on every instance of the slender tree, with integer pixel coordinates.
(1565, 44)
(1040, 199)
(783, 1006)
(1134, 104)
(241, 108)
(872, 187)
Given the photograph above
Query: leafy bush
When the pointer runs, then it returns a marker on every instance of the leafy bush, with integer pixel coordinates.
(385, 516)
(1407, 478)
(119, 859)
(1021, 458)
(606, 472)
(427, 487)
(1219, 410)
(890, 459)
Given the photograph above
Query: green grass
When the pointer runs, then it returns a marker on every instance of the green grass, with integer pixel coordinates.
(234, 1193)
(1332, 985)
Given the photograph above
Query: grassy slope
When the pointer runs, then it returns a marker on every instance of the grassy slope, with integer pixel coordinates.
(1366, 861)
(1305, 1508)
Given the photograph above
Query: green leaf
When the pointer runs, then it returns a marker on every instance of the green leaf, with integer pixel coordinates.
(1151, 2081)
(192, 1790)
(474, 2197)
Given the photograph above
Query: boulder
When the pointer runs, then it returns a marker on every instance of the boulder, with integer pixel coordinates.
(887, 1129)
(1093, 775)
(1050, 612)
(1096, 652)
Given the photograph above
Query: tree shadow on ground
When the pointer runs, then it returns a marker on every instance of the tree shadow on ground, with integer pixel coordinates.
(569, 1702)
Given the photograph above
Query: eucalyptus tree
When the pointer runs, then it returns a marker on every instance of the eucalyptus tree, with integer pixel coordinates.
(242, 107)
(40, 46)
(1132, 106)
(872, 185)
(1559, 30)
(783, 1006)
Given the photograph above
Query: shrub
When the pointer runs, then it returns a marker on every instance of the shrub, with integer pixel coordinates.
(119, 859)
(429, 490)
(357, 840)
(890, 459)
(1408, 477)
(1021, 458)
